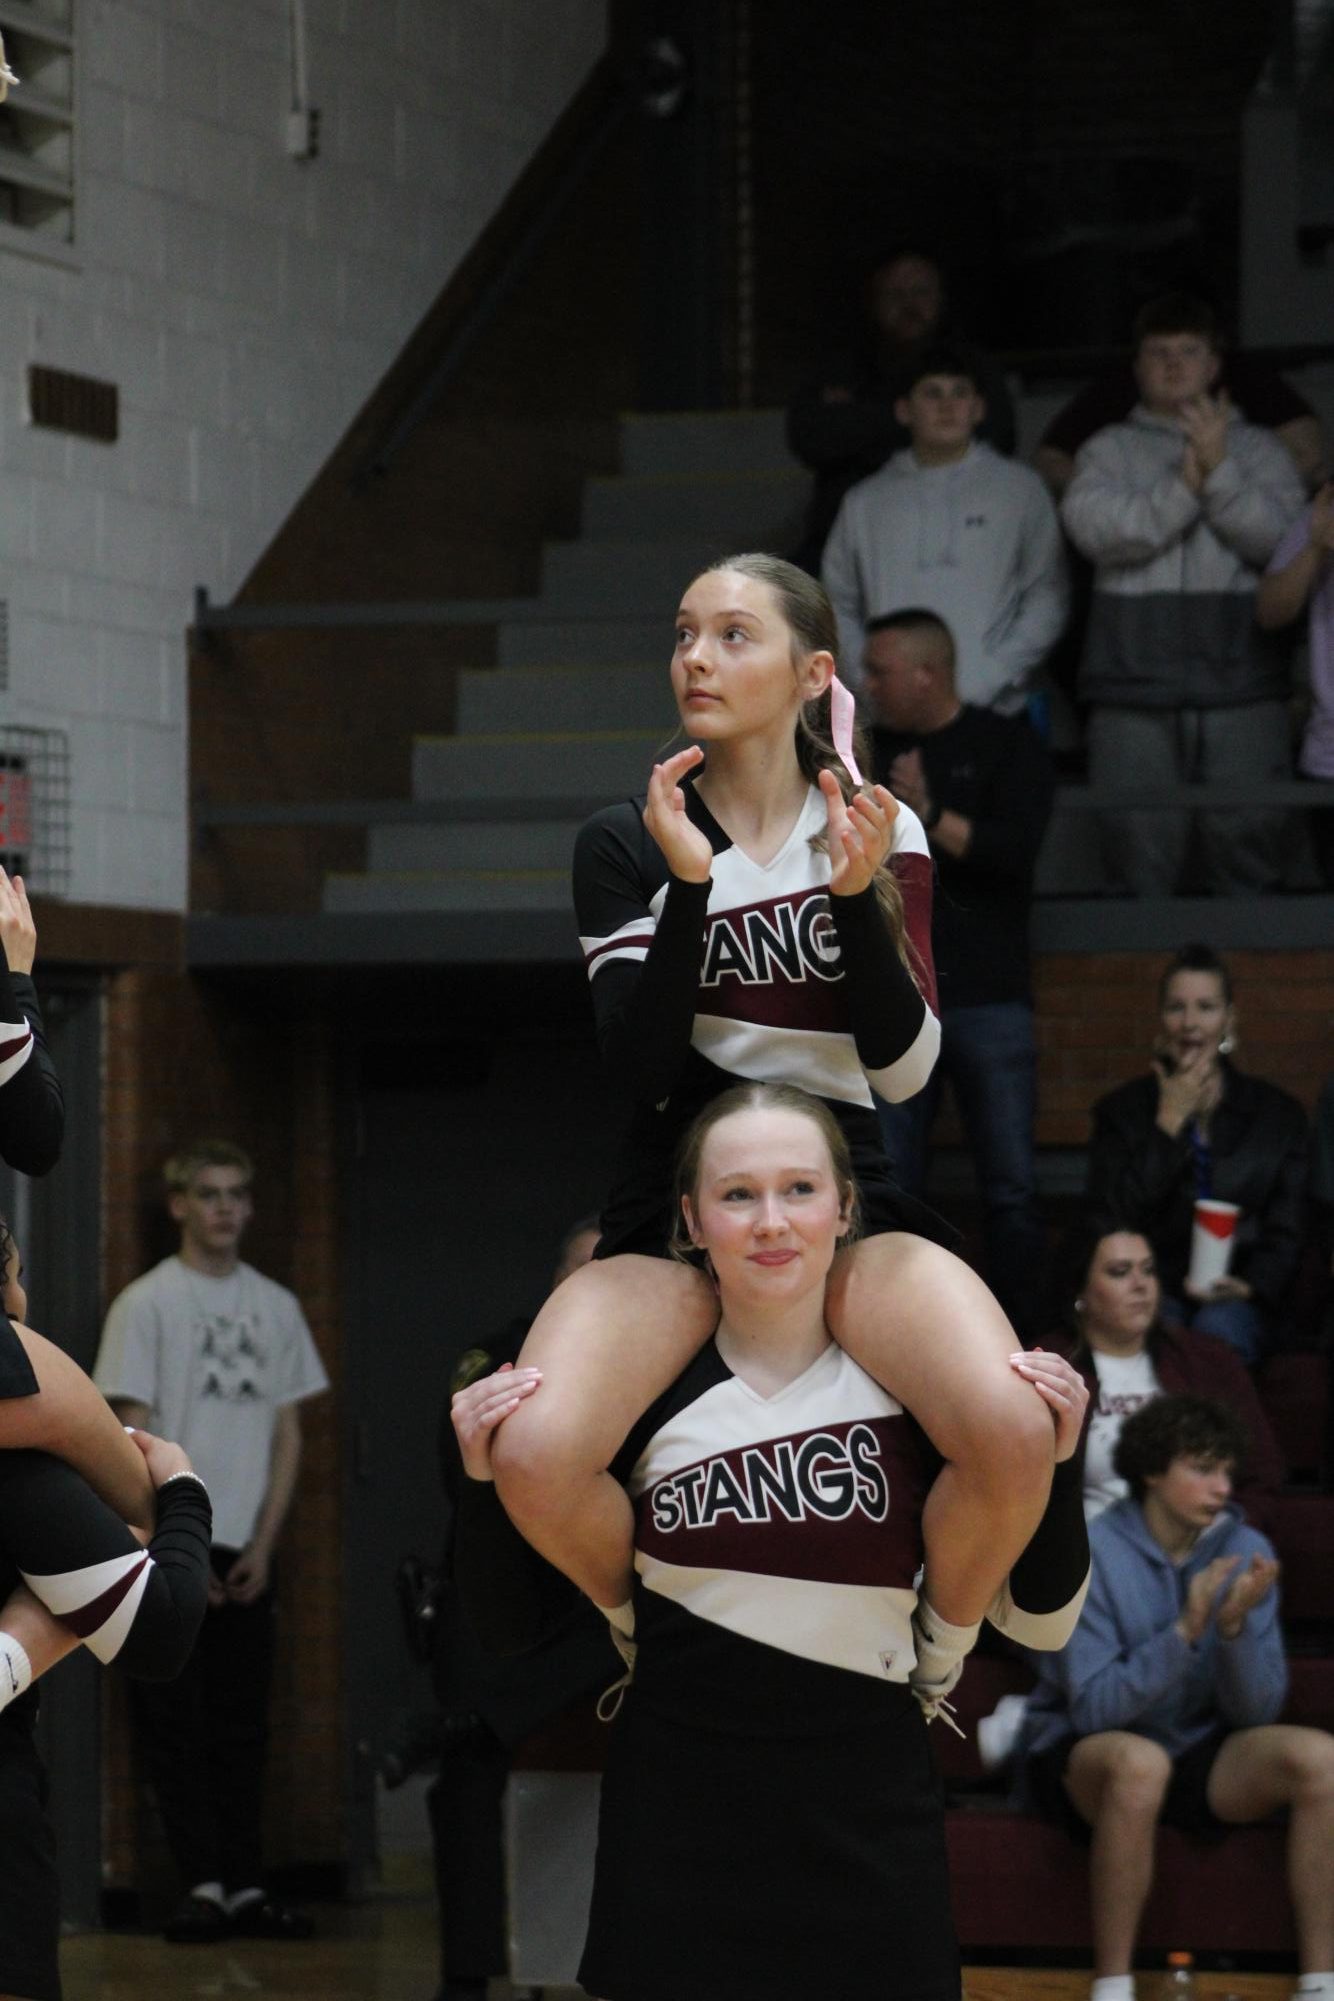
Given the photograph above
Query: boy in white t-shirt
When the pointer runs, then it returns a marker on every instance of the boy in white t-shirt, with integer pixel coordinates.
(205, 1345)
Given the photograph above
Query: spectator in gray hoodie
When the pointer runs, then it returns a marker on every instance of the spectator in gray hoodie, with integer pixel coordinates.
(951, 527)
(1179, 509)
(1164, 1704)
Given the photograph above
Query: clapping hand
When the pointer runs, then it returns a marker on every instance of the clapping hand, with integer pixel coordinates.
(1204, 419)
(1248, 1589)
(859, 834)
(476, 1411)
(1201, 1596)
(685, 849)
(18, 933)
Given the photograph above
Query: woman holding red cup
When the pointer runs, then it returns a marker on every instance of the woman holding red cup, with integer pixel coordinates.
(1199, 1130)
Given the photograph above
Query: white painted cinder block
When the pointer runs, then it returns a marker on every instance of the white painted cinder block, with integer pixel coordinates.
(245, 304)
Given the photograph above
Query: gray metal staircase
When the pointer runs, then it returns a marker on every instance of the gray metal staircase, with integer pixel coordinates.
(579, 705)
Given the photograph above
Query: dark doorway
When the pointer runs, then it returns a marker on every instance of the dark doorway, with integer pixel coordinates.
(473, 1155)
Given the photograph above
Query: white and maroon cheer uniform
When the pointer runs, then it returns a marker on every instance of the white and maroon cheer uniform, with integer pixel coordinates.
(760, 973)
(771, 1823)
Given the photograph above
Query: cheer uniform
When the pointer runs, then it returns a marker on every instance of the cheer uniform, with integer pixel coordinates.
(771, 1823)
(142, 1607)
(759, 973)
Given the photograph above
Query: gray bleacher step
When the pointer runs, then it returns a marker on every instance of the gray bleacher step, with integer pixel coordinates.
(427, 889)
(742, 510)
(556, 698)
(546, 765)
(473, 844)
(585, 579)
(551, 641)
(1070, 858)
(700, 441)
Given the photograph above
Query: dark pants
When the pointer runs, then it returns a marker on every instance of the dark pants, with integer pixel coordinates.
(202, 1740)
(989, 1056)
(467, 1839)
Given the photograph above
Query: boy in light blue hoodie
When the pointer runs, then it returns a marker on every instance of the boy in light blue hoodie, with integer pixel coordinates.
(1163, 1705)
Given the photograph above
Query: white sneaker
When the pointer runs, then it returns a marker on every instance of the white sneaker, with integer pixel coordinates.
(998, 1733)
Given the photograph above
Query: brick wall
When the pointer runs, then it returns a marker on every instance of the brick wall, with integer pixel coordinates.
(182, 1060)
(1097, 1017)
(246, 305)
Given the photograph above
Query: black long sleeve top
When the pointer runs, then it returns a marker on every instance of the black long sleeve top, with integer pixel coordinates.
(32, 1105)
(140, 1607)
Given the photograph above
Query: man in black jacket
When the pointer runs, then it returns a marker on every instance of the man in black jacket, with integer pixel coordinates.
(982, 785)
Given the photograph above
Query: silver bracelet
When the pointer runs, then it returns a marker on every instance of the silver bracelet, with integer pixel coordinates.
(181, 1476)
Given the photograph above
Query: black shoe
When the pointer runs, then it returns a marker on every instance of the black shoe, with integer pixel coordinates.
(265, 1917)
(196, 1921)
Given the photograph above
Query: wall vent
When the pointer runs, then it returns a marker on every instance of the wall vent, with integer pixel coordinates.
(35, 808)
(61, 401)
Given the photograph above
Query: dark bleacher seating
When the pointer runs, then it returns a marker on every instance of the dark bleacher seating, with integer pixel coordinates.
(1020, 1883)
(1294, 1389)
(1302, 1529)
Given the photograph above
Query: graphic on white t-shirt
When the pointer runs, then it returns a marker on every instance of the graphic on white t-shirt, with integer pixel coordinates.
(1125, 1382)
(234, 1355)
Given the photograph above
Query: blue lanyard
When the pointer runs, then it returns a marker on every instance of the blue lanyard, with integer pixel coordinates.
(1201, 1161)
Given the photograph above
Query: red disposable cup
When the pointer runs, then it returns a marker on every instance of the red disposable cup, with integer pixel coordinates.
(1211, 1241)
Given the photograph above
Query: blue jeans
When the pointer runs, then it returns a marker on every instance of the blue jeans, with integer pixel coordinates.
(989, 1055)
(1239, 1322)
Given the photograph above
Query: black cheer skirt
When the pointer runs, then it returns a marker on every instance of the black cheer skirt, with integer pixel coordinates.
(735, 1868)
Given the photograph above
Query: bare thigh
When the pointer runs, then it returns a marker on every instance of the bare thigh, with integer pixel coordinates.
(1258, 1771)
(614, 1336)
(924, 1325)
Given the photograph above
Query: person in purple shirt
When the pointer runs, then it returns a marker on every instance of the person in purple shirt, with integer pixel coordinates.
(1300, 576)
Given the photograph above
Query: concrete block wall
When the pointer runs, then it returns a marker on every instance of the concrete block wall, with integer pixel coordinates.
(245, 304)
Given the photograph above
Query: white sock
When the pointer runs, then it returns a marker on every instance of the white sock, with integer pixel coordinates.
(15, 1670)
(622, 1617)
(1315, 1987)
(940, 1646)
(210, 1893)
(1113, 1987)
(240, 1898)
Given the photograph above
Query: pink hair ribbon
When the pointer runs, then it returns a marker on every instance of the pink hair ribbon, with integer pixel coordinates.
(842, 720)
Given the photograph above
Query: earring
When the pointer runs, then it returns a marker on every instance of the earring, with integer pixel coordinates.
(1225, 1046)
(1079, 1306)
